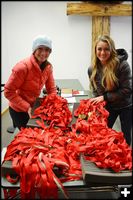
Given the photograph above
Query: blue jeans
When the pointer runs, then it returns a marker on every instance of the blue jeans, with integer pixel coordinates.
(125, 115)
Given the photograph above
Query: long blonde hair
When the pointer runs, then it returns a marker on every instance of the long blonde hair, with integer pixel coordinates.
(109, 79)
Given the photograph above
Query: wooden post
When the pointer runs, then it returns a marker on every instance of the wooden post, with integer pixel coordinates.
(100, 26)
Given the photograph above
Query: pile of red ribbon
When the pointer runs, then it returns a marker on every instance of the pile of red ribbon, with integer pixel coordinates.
(93, 113)
(45, 158)
(102, 145)
(54, 110)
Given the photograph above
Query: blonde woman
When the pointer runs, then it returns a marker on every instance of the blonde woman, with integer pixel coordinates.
(111, 80)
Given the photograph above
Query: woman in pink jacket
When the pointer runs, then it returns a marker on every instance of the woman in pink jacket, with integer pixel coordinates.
(27, 80)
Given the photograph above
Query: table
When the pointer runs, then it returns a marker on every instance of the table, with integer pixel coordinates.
(63, 83)
(82, 190)
(66, 83)
(75, 189)
(69, 83)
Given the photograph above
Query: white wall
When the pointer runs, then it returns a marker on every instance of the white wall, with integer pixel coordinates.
(71, 36)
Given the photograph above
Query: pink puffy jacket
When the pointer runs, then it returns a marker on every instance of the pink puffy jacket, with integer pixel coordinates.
(25, 84)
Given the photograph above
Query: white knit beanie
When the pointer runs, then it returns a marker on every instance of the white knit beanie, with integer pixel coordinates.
(41, 40)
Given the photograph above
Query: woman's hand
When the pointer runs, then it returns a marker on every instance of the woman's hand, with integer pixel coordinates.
(29, 111)
(96, 100)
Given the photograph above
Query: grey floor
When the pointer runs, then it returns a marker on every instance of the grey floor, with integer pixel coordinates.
(6, 139)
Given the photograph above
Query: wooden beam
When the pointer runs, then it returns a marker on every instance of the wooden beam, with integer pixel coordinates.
(99, 9)
(100, 26)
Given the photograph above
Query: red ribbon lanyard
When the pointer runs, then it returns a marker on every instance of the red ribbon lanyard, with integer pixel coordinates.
(45, 157)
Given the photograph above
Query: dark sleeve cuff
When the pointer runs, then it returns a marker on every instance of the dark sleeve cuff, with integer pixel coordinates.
(105, 96)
